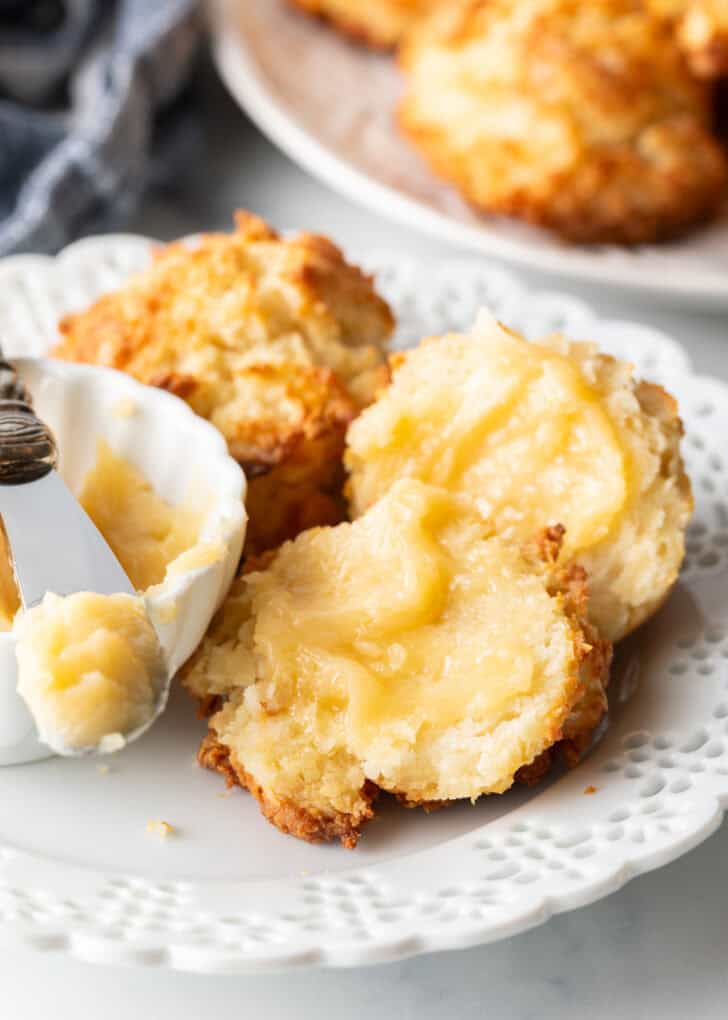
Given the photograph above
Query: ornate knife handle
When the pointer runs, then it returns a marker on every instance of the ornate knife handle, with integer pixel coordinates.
(27, 447)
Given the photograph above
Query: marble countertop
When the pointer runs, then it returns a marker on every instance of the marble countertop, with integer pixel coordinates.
(655, 949)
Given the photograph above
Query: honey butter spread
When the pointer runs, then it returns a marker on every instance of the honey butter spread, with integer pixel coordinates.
(535, 435)
(151, 539)
(146, 534)
(533, 443)
(90, 666)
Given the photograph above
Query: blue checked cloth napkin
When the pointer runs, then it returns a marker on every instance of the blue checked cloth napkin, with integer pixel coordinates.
(87, 90)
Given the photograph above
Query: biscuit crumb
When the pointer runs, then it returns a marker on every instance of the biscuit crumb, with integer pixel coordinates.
(103, 770)
(590, 789)
(160, 828)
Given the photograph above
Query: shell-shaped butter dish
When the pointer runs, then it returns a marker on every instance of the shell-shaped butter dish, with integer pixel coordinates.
(179, 454)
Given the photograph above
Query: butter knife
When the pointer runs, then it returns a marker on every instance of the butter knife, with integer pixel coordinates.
(54, 544)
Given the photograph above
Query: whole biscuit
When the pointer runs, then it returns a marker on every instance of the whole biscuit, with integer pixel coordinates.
(577, 115)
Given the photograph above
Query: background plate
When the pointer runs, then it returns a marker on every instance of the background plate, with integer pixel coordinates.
(329, 105)
(80, 874)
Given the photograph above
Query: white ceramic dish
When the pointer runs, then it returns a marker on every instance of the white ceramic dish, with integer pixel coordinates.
(159, 435)
(227, 892)
(339, 125)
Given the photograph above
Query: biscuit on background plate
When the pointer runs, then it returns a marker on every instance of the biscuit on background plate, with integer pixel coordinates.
(702, 32)
(581, 116)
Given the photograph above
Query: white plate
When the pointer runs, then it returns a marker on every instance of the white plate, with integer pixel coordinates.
(328, 104)
(79, 874)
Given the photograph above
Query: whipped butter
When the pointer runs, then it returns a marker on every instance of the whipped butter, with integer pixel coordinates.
(90, 667)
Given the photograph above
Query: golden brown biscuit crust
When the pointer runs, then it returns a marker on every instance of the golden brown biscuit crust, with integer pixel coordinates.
(577, 116)
(595, 658)
(702, 33)
(290, 818)
(278, 342)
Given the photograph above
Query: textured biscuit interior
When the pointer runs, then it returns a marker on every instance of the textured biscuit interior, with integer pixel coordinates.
(537, 435)
(410, 649)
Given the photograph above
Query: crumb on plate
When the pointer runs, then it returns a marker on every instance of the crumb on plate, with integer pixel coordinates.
(157, 827)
